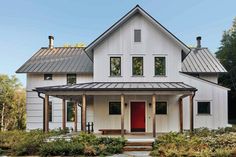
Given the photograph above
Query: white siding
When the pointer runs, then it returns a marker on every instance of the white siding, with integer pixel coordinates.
(34, 104)
(121, 43)
(210, 77)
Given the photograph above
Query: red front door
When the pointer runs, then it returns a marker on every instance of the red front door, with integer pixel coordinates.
(138, 116)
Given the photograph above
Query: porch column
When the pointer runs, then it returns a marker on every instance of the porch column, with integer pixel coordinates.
(191, 113)
(122, 114)
(154, 115)
(76, 116)
(181, 114)
(83, 112)
(46, 114)
(63, 114)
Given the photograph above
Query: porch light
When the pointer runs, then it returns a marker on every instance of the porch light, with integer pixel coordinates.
(126, 104)
(150, 104)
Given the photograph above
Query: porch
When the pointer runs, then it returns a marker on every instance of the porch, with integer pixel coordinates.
(149, 93)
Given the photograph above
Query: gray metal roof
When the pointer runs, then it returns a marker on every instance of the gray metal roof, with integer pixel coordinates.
(58, 60)
(201, 61)
(121, 86)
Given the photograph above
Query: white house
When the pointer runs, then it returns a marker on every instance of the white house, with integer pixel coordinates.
(135, 77)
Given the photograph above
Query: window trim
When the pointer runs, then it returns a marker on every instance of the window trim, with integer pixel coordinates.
(120, 66)
(51, 111)
(158, 114)
(109, 107)
(132, 66)
(204, 114)
(161, 56)
(67, 111)
(140, 35)
(44, 77)
(67, 78)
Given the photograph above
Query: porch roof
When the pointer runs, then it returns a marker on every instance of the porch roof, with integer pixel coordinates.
(120, 86)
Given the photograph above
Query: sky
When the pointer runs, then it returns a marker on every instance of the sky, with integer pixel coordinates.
(26, 24)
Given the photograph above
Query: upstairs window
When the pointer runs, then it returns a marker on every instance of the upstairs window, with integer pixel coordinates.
(137, 35)
(71, 79)
(161, 107)
(114, 108)
(115, 66)
(160, 66)
(204, 107)
(47, 76)
(137, 66)
(70, 112)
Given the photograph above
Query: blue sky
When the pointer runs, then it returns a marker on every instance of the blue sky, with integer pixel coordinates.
(25, 25)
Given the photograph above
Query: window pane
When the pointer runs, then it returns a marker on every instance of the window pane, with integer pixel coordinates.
(160, 66)
(138, 66)
(137, 35)
(47, 76)
(50, 111)
(114, 108)
(115, 66)
(70, 112)
(161, 107)
(71, 79)
(204, 108)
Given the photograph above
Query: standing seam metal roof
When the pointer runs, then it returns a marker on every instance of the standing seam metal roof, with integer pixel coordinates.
(121, 86)
(201, 60)
(58, 60)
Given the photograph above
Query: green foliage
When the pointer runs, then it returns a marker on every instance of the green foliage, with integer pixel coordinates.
(202, 142)
(12, 103)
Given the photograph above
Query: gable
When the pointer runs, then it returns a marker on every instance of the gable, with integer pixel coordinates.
(126, 18)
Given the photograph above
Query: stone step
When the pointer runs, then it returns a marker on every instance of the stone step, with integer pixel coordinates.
(137, 148)
(139, 143)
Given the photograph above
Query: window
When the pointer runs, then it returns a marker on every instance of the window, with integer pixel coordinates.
(160, 66)
(137, 35)
(115, 66)
(71, 79)
(161, 107)
(137, 66)
(47, 76)
(50, 111)
(114, 108)
(204, 107)
(70, 112)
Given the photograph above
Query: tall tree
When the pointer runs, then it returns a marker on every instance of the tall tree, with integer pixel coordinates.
(227, 56)
(12, 103)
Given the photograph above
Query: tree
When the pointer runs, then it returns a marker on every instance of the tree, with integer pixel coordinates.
(227, 56)
(12, 103)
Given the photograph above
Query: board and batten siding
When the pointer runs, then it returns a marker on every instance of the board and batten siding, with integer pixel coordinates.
(34, 104)
(121, 43)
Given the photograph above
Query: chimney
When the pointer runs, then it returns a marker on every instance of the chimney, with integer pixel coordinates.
(51, 41)
(199, 41)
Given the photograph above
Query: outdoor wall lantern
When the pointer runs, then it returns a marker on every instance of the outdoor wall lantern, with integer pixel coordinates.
(126, 104)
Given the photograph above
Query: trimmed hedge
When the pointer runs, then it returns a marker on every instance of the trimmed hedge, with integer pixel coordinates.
(203, 142)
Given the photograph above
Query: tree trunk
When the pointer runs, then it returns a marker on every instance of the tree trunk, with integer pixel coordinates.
(2, 117)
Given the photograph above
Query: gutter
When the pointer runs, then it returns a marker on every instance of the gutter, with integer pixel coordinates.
(43, 109)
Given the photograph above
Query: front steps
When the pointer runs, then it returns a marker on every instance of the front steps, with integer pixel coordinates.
(139, 145)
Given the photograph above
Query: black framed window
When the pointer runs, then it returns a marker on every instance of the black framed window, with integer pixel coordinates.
(137, 35)
(115, 66)
(161, 107)
(160, 66)
(47, 76)
(114, 108)
(71, 79)
(50, 111)
(204, 107)
(137, 66)
(70, 112)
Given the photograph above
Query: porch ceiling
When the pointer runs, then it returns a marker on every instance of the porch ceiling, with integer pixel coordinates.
(116, 87)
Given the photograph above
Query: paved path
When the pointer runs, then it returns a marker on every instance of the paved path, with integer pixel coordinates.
(133, 154)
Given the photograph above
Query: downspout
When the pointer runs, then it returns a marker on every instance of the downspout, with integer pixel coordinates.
(43, 110)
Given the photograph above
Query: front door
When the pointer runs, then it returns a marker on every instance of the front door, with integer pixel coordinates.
(138, 116)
